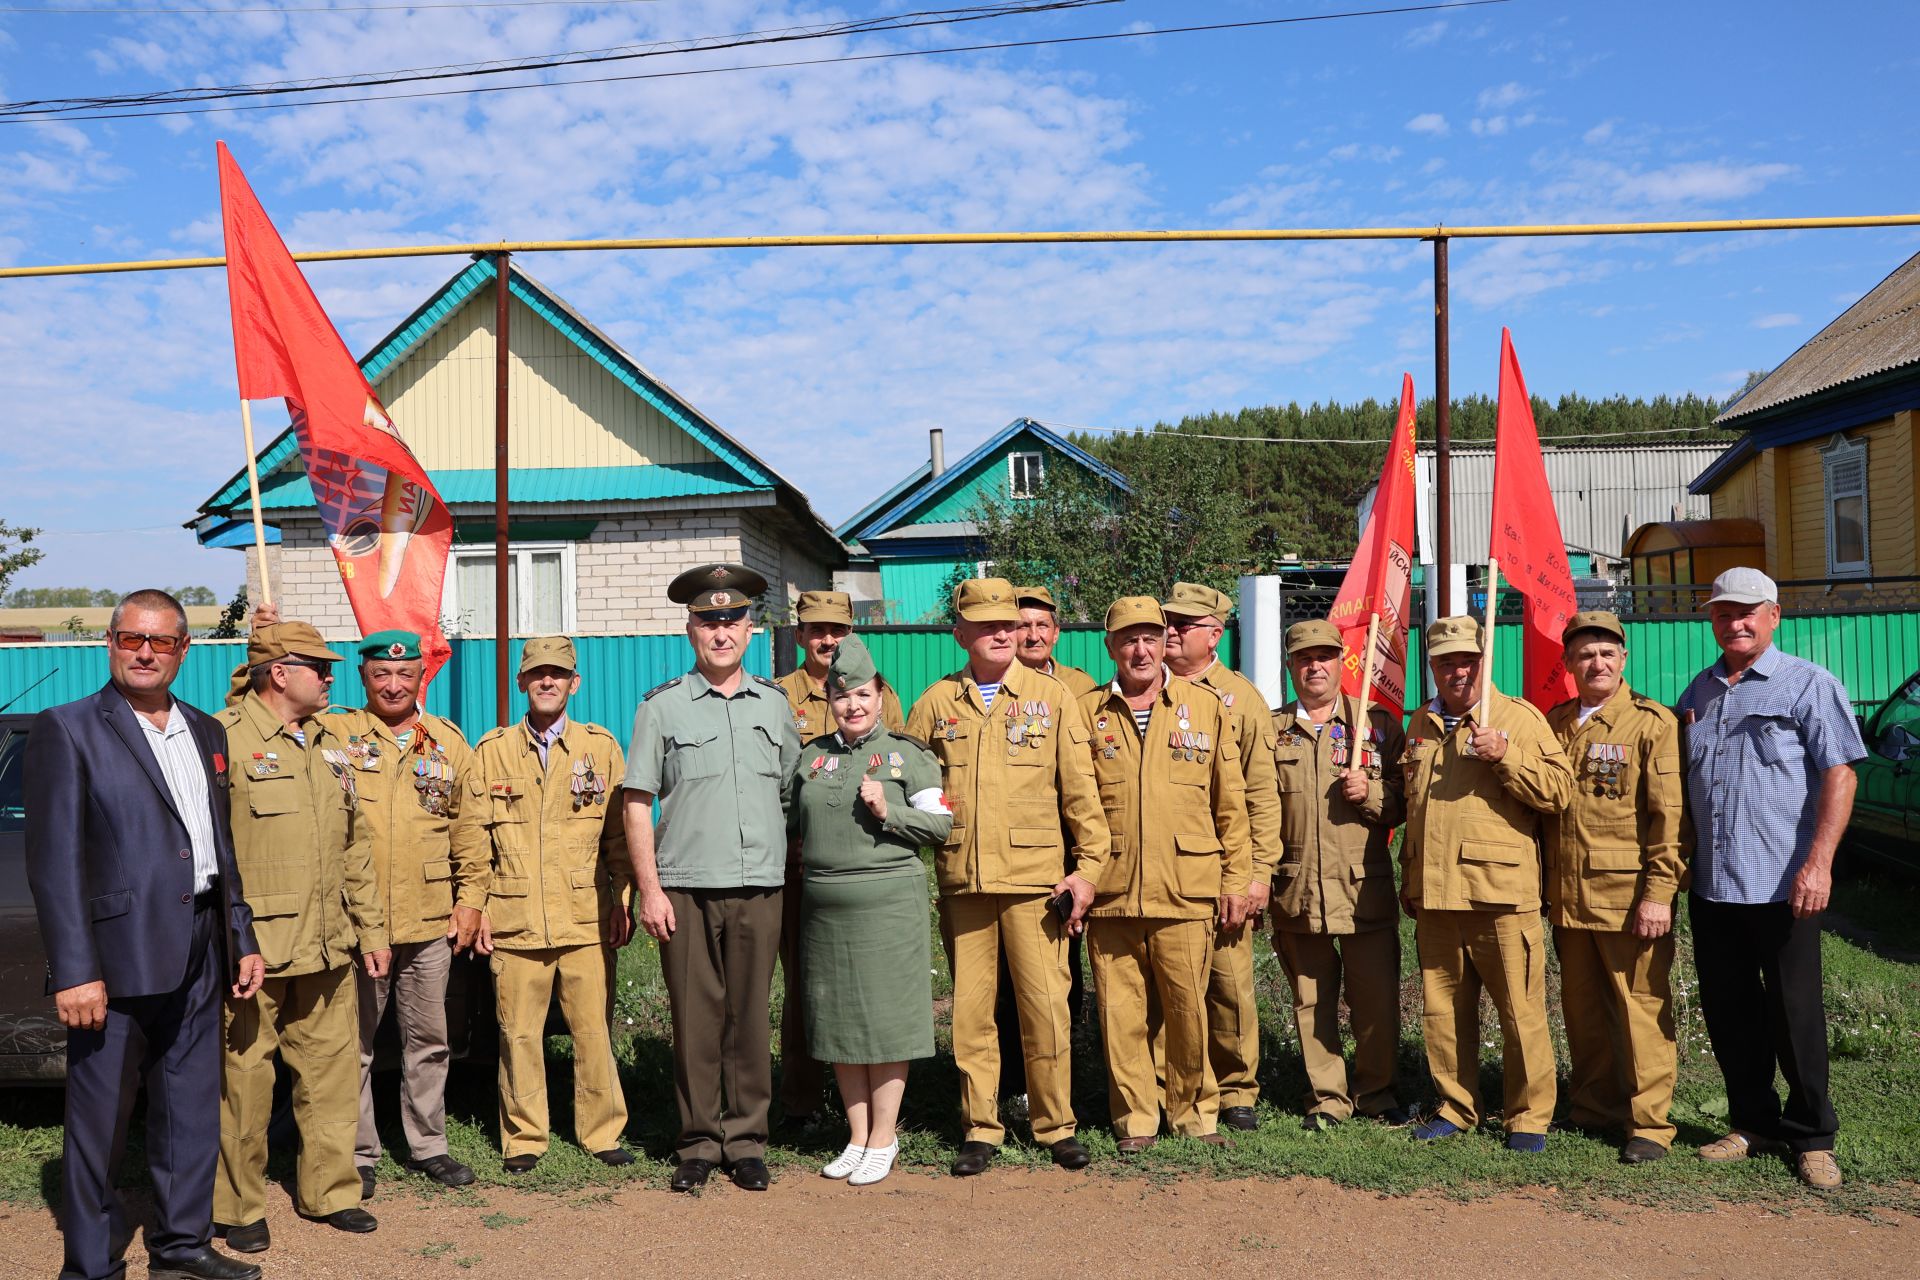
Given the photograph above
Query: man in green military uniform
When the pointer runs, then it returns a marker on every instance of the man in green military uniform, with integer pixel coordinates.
(1196, 621)
(715, 745)
(1335, 916)
(825, 619)
(549, 792)
(411, 774)
(305, 859)
(1614, 865)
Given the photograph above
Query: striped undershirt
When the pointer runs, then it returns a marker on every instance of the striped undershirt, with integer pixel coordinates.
(1140, 719)
(987, 691)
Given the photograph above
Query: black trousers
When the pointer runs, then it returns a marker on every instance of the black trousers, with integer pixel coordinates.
(1760, 992)
(171, 1043)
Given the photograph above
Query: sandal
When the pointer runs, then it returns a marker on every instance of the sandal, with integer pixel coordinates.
(1735, 1146)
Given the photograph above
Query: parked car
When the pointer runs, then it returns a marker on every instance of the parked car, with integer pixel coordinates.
(1886, 809)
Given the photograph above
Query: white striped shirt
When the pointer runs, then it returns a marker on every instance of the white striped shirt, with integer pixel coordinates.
(178, 755)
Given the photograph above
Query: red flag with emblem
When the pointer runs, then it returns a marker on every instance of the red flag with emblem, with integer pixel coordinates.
(389, 530)
(1380, 579)
(1526, 537)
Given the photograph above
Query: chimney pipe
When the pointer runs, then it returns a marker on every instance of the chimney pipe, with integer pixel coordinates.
(937, 449)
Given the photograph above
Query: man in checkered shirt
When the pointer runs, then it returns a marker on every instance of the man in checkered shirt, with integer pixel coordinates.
(1770, 742)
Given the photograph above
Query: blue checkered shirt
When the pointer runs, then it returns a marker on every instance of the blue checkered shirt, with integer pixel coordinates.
(1755, 752)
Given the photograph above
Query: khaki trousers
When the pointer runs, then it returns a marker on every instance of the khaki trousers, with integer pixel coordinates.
(1618, 998)
(1168, 959)
(524, 983)
(1314, 964)
(1233, 1018)
(802, 1083)
(718, 967)
(311, 1023)
(977, 927)
(1504, 952)
(416, 986)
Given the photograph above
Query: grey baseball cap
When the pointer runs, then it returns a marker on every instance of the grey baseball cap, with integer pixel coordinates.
(1744, 586)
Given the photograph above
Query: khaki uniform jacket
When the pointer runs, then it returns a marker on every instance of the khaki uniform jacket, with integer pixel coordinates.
(1078, 682)
(425, 863)
(1178, 824)
(305, 856)
(1336, 876)
(1473, 828)
(813, 714)
(1253, 726)
(1619, 842)
(558, 868)
(1014, 779)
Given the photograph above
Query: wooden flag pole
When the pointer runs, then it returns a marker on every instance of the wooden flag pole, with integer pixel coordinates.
(1486, 652)
(253, 490)
(1366, 682)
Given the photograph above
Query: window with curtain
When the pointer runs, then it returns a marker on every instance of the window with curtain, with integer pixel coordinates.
(1024, 474)
(539, 590)
(1844, 464)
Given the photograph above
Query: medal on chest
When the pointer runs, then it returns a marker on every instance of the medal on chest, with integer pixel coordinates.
(588, 786)
(1027, 724)
(1604, 765)
(433, 780)
(341, 766)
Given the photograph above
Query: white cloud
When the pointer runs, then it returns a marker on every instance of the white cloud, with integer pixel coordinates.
(1429, 122)
(1776, 320)
(1700, 181)
(1503, 97)
(1602, 132)
(1421, 36)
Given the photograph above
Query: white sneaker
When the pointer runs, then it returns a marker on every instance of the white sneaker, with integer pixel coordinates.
(877, 1165)
(844, 1163)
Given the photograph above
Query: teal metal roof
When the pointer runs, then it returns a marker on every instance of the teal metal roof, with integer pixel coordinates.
(289, 490)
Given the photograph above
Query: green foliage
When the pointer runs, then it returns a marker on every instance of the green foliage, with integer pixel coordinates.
(1302, 498)
(1091, 545)
(233, 619)
(17, 551)
(91, 597)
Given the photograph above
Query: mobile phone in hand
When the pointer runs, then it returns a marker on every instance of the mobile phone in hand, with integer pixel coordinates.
(1062, 905)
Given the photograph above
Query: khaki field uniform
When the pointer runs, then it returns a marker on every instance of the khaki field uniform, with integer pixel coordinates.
(1016, 774)
(801, 1078)
(1175, 804)
(1334, 907)
(558, 870)
(1471, 866)
(1617, 845)
(1078, 682)
(305, 860)
(429, 854)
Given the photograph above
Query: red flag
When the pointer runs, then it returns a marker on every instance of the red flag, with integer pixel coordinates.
(1526, 537)
(1380, 579)
(389, 530)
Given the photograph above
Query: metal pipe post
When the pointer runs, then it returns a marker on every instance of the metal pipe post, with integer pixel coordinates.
(502, 624)
(1442, 435)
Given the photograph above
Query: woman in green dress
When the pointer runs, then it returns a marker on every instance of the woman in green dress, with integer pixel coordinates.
(863, 800)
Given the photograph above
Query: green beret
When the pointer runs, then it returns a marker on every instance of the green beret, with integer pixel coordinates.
(852, 666)
(389, 646)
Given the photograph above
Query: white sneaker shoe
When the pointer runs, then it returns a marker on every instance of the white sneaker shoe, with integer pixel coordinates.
(877, 1165)
(844, 1163)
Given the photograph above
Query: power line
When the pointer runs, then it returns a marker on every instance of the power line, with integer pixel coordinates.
(322, 8)
(774, 66)
(47, 107)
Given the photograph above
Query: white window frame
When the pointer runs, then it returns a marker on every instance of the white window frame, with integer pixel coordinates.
(1039, 470)
(1842, 452)
(523, 553)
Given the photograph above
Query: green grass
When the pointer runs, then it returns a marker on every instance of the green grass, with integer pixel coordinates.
(1872, 957)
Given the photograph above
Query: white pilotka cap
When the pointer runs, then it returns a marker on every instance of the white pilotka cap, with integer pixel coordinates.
(1744, 586)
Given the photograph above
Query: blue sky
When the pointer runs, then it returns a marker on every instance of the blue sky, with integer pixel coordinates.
(117, 411)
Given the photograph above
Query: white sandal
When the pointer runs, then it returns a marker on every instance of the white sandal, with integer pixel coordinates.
(844, 1163)
(877, 1165)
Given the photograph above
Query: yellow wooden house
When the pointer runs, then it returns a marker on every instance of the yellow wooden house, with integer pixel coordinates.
(1830, 464)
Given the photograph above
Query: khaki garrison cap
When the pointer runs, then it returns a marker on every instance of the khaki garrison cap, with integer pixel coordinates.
(825, 606)
(1314, 633)
(722, 592)
(288, 640)
(548, 651)
(985, 600)
(1134, 611)
(852, 665)
(1024, 596)
(1453, 635)
(1596, 620)
(1196, 600)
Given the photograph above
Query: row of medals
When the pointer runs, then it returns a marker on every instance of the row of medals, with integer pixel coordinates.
(894, 761)
(588, 786)
(1185, 742)
(1340, 748)
(1605, 762)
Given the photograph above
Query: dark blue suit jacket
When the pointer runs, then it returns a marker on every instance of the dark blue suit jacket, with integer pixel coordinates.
(107, 852)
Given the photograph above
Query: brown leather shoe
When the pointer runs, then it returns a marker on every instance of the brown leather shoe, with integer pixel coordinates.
(1134, 1146)
(1642, 1151)
(1215, 1139)
(1068, 1153)
(1818, 1169)
(247, 1237)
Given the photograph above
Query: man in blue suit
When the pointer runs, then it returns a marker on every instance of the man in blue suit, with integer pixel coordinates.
(130, 859)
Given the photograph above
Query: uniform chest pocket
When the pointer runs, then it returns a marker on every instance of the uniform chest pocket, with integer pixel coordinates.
(694, 754)
(1775, 739)
(763, 751)
(268, 797)
(1292, 765)
(954, 746)
(507, 801)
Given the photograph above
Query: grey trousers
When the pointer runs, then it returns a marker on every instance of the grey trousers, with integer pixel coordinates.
(416, 985)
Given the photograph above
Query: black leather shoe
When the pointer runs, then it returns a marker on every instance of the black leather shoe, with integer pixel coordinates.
(367, 1181)
(444, 1170)
(1394, 1117)
(205, 1265)
(1642, 1151)
(614, 1156)
(973, 1158)
(750, 1174)
(691, 1175)
(1069, 1154)
(1241, 1118)
(1319, 1122)
(520, 1163)
(249, 1237)
(357, 1221)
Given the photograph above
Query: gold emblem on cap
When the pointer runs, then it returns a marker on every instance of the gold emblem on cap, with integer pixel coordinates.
(717, 599)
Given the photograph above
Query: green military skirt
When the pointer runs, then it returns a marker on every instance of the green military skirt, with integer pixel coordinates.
(866, 964)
